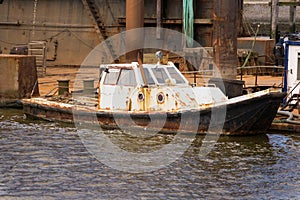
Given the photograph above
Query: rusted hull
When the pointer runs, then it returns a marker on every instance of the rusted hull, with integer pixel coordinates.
(251, 116)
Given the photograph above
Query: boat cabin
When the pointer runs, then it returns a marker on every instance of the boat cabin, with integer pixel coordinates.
(150, 87)
(292, 68)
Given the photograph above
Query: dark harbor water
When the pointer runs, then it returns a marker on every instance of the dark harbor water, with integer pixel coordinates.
(43, 160)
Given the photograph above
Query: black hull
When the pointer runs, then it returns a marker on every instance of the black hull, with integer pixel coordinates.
(250, 116)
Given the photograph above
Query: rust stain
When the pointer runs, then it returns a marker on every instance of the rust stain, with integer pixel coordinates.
(179, 99)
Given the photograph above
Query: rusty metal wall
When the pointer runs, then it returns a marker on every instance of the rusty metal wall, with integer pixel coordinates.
(70, 34)
(64, 25)
(204, 32)
(18, 77)
(225, 37)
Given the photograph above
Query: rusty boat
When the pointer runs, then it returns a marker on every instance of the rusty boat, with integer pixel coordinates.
(158, 97)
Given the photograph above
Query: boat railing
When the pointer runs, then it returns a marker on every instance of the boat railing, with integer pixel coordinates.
(277, 70)
(198, 78)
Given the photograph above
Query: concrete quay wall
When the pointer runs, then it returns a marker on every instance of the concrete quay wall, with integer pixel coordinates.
(259, 12)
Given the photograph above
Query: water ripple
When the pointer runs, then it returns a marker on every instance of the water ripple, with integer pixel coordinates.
(42, 160)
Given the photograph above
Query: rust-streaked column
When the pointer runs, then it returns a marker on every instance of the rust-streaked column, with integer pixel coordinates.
(241, 30)
(225, 37)
(274, 18)
(134, 19)
(292, 21)
(158, 18)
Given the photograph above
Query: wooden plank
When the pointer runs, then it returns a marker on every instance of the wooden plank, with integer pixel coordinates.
(287, 127)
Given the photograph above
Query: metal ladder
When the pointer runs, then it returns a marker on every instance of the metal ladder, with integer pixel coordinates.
(292, 103)
(91, 7)
(38, 49)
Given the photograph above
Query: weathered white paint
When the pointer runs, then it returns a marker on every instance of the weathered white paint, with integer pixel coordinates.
(293, 73)
(172, 94)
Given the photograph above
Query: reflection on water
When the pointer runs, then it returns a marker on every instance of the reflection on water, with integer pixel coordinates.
(48, 160)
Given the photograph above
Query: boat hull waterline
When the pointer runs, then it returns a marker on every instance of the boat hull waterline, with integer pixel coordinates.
(244, 115)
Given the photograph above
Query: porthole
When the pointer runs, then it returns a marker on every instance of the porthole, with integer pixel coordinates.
(141, 96)
(160, 98)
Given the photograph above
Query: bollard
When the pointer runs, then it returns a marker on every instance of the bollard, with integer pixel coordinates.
(63, 87)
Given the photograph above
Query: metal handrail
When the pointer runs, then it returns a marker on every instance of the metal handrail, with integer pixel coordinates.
(260, 66)
(256, 71)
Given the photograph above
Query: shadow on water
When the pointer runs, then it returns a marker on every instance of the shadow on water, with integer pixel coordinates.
(48, 160)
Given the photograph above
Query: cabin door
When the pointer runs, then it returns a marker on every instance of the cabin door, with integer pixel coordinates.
(116, 89)
(115, 97)
(293, 74)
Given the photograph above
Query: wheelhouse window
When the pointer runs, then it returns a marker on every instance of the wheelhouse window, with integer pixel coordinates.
(175, 75)
(127, 78)
(149, 78)
(111, 77)
(160, 75)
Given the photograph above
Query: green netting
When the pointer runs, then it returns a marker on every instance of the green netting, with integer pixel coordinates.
(188, 21)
